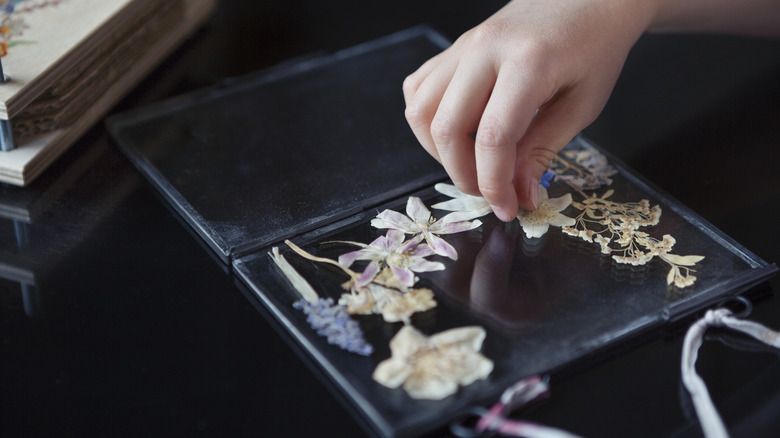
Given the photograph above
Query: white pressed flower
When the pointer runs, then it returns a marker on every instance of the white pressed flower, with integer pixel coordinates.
(470, 206)
(434, 367)
(536, 223)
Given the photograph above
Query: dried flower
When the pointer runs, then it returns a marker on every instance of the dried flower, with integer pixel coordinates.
(470, 206)
(392, 304)
(584, 169)
(375, 297)
(536, 223)
(621, 221)
(334, 323)
(681, 268)
(433, 367)
(547, 178)
(604, 242)
(420, 222)
(390, 251)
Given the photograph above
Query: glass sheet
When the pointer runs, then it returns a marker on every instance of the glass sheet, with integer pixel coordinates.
(544, 302)
(285, 151)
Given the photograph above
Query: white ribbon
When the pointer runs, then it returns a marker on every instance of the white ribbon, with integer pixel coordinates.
(710, 421)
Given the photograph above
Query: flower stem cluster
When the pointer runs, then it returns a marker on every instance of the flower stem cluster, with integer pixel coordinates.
(615, 227)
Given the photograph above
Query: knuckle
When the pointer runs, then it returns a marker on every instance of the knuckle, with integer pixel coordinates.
(410, 85)
(442, 129)
(486, 33)
(415, 114)
(491, 137)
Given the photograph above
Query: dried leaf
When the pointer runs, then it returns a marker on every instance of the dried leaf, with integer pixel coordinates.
(671, 275)
(298, 282)
(689, 260)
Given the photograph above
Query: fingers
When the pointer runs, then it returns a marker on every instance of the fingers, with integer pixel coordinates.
(458, 117)
(522, 113)
(423, 91)
(506, 118)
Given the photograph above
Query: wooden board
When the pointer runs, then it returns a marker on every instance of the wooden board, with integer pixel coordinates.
(33, 155)
(46, 39)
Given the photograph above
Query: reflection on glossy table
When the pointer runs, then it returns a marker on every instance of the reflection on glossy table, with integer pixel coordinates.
(115, 321)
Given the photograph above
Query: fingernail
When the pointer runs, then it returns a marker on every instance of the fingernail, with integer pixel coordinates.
(502, 213)
(533, 193)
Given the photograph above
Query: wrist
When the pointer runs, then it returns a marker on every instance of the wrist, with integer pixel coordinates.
(751, 17)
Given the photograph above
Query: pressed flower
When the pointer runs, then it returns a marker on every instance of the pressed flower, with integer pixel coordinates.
(403, 258)
(637, 259)
(584, 169)
(470, 206)
(374, 297)
(536, 223)
(393, 305)
(681, 268)
(547, 178)
(334, 323)
(434, 367)
(418, 221)
(328, 320)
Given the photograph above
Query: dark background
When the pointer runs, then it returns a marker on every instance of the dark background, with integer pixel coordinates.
(115, 321)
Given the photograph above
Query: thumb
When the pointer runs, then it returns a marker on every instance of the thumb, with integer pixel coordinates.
(554, 126)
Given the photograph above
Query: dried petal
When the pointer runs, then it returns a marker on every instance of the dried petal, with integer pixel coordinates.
(392, 373)
(395, 220)
(368, 274)
(441, 247)
(670, 276)
(559, 204)
(416, 210)
(471, 206)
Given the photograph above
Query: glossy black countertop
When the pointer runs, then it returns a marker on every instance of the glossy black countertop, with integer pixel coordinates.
(116, 321)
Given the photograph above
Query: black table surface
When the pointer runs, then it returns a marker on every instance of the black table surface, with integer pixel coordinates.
(116, 321)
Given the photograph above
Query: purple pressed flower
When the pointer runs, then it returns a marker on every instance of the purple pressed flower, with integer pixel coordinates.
(334, 323)
(403, 258)
(547, 178)
(418, 221)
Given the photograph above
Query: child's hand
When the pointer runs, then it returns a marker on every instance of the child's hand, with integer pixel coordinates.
(474, 106)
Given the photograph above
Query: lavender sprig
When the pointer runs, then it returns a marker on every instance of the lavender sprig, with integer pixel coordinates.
(329, 320)
(333, 322)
